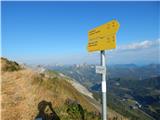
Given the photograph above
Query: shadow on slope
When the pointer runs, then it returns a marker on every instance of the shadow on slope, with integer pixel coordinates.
(46, 111)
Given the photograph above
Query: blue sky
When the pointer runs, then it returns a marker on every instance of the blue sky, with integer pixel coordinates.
(56, 32)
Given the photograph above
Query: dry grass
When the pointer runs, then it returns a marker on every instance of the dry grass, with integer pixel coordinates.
(23, 89)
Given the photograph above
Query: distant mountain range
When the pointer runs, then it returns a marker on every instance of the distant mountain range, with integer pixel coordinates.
(132, 71)
(86, 75)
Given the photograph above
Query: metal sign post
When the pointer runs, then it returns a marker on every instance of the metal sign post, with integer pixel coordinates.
(104, 96)
(100, 39)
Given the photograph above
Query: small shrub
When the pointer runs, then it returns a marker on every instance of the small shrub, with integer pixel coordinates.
(9, 65)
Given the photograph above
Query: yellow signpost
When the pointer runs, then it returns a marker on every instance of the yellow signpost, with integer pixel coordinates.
(103, 37)
(100, 39)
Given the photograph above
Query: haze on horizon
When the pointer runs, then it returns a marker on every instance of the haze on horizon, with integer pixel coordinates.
(56, 32)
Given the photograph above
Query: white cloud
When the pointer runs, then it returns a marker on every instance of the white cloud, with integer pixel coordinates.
(143, 52)
(139, 45)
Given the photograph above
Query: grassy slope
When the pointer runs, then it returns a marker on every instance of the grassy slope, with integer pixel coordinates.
(23, 89)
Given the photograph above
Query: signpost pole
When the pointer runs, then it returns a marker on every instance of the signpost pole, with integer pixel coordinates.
(100, 39)
(104, 97)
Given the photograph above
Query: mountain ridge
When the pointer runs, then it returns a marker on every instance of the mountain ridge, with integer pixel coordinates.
(24, 90)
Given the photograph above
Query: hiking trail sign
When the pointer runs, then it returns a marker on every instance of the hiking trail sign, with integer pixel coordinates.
(103, 37)
(100, 39)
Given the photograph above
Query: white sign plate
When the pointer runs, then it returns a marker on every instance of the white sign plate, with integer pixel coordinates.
(103, 86)
(101, 69)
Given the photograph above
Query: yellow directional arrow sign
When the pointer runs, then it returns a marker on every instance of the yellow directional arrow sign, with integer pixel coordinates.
(103, 37)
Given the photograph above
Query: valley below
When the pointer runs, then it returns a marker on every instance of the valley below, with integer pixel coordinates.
(133, 91)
